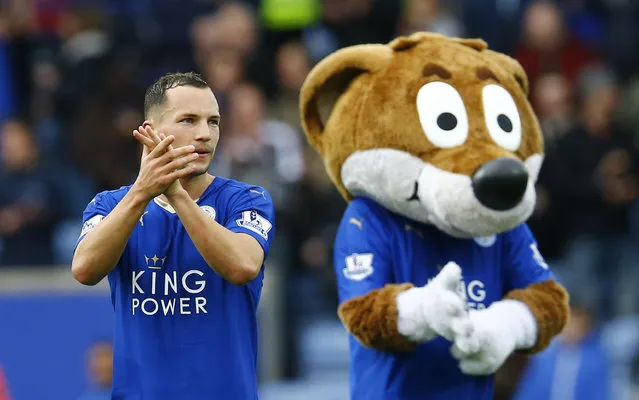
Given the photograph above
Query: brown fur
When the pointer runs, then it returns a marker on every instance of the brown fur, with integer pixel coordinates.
(372, 319)
(548, 302)
(377, 87)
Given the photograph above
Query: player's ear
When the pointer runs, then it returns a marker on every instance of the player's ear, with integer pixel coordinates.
(330, 78)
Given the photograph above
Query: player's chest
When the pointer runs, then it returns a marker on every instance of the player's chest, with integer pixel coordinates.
(160, 253)
(424, 253)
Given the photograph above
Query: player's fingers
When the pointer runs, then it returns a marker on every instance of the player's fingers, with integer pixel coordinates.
(161, 137)
(161, 147)
(146, 141)
(179, 152)
(180, 162)
(157, 137)
(150, 133)
(179, 173)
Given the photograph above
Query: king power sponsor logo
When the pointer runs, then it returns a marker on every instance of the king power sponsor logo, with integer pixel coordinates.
(158, 292)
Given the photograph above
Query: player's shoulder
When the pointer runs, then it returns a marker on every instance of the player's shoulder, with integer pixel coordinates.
(110, 197)
(243, 191)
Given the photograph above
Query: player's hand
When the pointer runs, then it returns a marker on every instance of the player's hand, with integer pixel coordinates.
(147, 136)
(161, 166)
(496, 333)
(438, 308)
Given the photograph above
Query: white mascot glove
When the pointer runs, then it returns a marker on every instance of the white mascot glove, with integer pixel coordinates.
(438, 308)
(497, 331)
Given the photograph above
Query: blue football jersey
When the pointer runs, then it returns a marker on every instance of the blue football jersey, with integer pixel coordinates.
(375, 247)
(183, 332)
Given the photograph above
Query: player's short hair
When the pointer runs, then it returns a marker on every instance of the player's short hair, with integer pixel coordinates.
(156, 93)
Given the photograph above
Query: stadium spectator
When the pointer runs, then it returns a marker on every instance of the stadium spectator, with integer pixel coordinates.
(29, 206)
(596, 166)
(100, 370)
(429, 15)
(574, 367)
(548, 46)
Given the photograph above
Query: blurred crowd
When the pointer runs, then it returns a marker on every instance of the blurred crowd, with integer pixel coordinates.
(73, 75)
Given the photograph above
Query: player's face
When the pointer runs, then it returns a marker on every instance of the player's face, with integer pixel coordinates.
(192, 116)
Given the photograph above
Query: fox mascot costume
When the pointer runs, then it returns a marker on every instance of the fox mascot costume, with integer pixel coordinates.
(432, 142)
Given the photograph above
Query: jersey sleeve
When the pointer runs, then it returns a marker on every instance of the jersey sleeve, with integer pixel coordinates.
(94, 213)
(362, 252)
(253, 213)
(524, 264)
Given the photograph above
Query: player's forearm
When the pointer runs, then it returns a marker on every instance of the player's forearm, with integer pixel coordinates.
(223, 250)
(98, 253)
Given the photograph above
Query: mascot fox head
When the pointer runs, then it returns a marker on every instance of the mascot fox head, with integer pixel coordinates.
(439, 130)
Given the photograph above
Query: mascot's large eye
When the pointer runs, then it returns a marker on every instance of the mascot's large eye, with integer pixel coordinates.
(442, 114)
(502, 117)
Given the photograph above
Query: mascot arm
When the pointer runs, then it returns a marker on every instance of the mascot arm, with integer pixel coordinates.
(531, 283)
(547, 304)
(373, 319)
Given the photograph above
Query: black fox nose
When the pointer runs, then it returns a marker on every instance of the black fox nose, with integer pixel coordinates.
(500, 184)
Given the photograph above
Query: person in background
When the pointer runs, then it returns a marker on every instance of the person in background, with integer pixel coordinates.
(100, 366)
(575, 366)
(597, 180)
(28, 199)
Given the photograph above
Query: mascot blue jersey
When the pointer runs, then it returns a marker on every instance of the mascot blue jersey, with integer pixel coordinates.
(183, 332)
(375, 247)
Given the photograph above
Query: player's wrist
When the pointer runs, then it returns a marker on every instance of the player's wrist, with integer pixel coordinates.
(139, 197)
(176, 195)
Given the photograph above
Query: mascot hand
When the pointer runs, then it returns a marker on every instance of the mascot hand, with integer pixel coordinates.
(438, 308)
(497, 331)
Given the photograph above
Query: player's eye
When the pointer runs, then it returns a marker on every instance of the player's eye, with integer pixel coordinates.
(187, 120)
(502, 117)
(442, 114)
(214, 122)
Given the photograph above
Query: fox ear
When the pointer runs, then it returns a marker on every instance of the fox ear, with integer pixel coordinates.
(512, 66)
(403, 43)
(332, 76)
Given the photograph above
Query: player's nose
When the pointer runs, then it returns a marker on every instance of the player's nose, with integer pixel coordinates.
(500, 184)
(203, 133)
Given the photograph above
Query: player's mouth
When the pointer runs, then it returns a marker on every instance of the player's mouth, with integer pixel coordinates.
(203, 153)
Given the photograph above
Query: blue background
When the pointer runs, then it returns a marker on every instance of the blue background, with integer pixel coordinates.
(44, 339)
